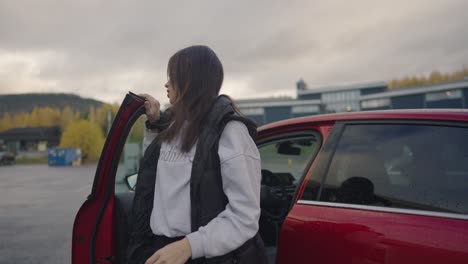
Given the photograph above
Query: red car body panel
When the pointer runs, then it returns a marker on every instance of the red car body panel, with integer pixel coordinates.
(311, 233)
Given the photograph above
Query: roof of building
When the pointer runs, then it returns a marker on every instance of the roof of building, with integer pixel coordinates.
(266, 99)
(31, 133)
(276, 103)
(418, 90)
(342, 87)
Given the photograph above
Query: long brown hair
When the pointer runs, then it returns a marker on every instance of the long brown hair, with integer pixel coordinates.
(197, 74)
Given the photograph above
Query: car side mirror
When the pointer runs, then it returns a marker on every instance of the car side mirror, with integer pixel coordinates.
(130, 181)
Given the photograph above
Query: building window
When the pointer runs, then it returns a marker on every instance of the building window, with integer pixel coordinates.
(253, 111)
(342, 107)
(376, 103)
(305, 109)
(452, 94)
(346, 101)
(340, 96)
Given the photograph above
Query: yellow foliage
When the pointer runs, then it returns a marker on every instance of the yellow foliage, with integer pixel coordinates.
(136, 134)
(85, 135)
(66, 117)
(47, 116)
(433, 78)
(20, 119)
(44, 116)
(102, 114)
(92, 114)
(6, 122)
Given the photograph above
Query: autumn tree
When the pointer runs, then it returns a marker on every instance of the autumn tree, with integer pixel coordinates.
(433, 78)
(66, 117)
(6, 122)
(44, 116)
(136, 134)
(102, 114)
(92, 114)
(20, 119)
(85, 135)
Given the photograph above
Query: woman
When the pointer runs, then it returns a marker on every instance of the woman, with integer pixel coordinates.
(197, 198)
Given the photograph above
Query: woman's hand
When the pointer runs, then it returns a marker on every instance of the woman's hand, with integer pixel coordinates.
(152, 107)
(175, 253)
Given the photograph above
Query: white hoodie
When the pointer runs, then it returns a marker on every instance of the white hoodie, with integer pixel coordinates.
(241, 176)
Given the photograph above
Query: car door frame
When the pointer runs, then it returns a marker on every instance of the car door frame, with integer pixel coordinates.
(92, 239)
(271, 133)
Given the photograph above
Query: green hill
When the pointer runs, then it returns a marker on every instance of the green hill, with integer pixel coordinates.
(16, 103)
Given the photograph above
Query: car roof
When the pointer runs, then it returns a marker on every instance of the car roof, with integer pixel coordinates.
(410, 114)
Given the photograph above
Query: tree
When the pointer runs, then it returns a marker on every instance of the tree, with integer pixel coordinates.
(5, 122)
(92, 114)
(49, 116)
(66, 117)
(136, 134)
(34, 118)
(44, 116)
(85, 135)
(435, 77)
(102, 115)
(20, 119)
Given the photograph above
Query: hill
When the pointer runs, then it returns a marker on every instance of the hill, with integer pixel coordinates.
(17, 103)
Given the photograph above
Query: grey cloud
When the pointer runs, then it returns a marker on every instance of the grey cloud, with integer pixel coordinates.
(103, 48)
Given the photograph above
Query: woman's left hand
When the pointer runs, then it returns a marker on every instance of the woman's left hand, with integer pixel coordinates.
(175, 253)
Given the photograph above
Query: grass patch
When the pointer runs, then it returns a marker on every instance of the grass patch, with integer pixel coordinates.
(32, 160)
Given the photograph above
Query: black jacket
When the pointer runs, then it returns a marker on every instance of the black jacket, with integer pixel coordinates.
(207, 199)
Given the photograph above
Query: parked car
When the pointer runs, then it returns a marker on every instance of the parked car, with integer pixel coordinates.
(6, 157)
(364, 187)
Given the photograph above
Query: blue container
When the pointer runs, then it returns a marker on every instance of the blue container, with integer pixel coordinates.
(64, 156)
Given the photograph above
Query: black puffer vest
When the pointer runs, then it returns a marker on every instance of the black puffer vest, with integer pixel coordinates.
(206, 190)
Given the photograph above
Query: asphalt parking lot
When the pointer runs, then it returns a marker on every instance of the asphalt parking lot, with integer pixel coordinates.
(38, 204)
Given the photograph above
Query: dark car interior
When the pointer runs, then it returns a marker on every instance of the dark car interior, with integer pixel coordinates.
(276, 195)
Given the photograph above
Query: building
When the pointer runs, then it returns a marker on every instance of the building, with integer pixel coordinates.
(31, 138)
(356, 97)
(268, 110)
(444, 95)
(341, 98)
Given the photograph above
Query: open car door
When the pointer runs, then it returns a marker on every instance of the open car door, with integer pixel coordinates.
(95, 239)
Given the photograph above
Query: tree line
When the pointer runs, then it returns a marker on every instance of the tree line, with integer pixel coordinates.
(433, 78)
(84, 130)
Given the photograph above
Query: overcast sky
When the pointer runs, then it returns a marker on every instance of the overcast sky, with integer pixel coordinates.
(102, 49)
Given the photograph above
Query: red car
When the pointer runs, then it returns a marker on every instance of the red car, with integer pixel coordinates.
(366, 187)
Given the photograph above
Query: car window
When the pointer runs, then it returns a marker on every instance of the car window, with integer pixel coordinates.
(422, 167)
(284, 161)
(130, 159)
